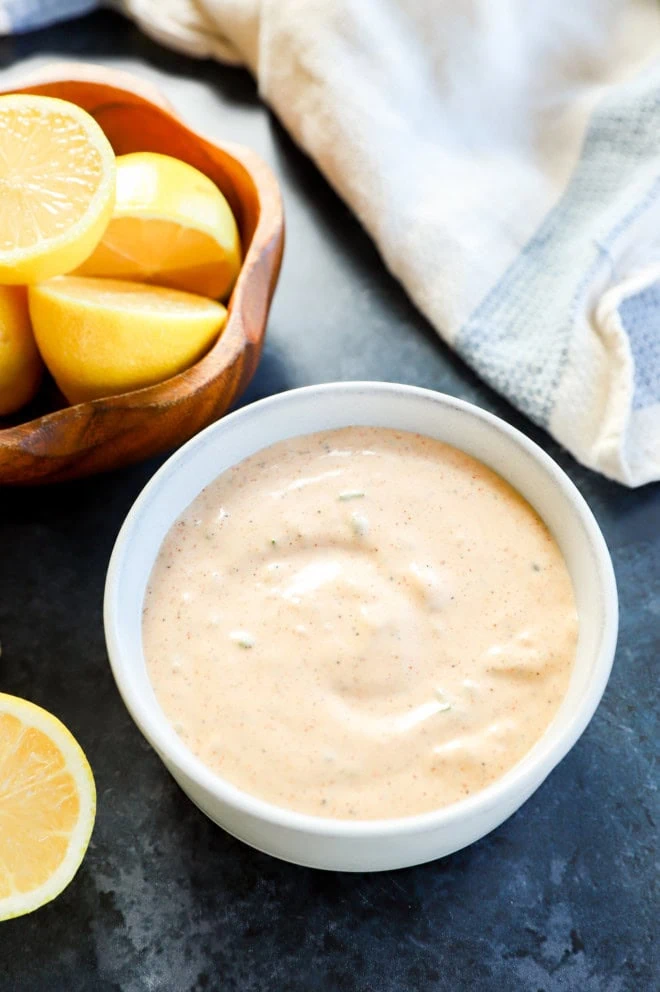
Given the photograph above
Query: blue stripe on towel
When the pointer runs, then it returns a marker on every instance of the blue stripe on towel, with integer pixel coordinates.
(640, 316)
(518, 338)
(27, 15)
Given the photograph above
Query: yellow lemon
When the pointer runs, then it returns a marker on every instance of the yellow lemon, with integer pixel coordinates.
(171, 226)
(21, 367)
(47, 806)
(57, 185)
(100, 337)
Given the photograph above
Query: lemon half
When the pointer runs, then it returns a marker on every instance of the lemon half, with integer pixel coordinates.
(171, 226)
(47, 806)
(21, 367)
(100, 337)
(57, 186)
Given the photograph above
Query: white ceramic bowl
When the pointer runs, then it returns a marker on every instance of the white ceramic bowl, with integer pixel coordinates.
(367, 845)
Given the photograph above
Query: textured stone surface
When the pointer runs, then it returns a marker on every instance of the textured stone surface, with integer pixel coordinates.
(559, 898)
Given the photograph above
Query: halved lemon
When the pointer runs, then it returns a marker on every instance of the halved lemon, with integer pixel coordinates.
(100, 337)
(47, 806)
(57, 186)
(20, 362)
(171, 226)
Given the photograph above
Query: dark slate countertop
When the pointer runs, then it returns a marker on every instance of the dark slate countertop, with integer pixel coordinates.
(558, 899)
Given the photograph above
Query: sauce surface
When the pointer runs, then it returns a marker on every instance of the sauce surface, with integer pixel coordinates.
(360, 623)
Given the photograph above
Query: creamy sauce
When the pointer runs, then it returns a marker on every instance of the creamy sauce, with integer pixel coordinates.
(360, 623)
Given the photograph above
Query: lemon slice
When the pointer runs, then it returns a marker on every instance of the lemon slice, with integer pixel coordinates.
(20, 363)
(57, 184)
(100, 337)
(47, 806)
(171, 226)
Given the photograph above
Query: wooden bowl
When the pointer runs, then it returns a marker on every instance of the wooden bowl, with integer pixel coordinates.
(107, 433)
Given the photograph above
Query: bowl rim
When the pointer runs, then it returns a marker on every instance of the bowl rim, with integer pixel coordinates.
(526, 775)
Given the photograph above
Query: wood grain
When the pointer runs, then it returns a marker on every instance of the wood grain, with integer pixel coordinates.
(108, 433)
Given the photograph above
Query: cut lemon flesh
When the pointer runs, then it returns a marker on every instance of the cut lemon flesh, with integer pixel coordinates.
(100, 337)
(171, 226)
(57, 185)
(47, 806)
